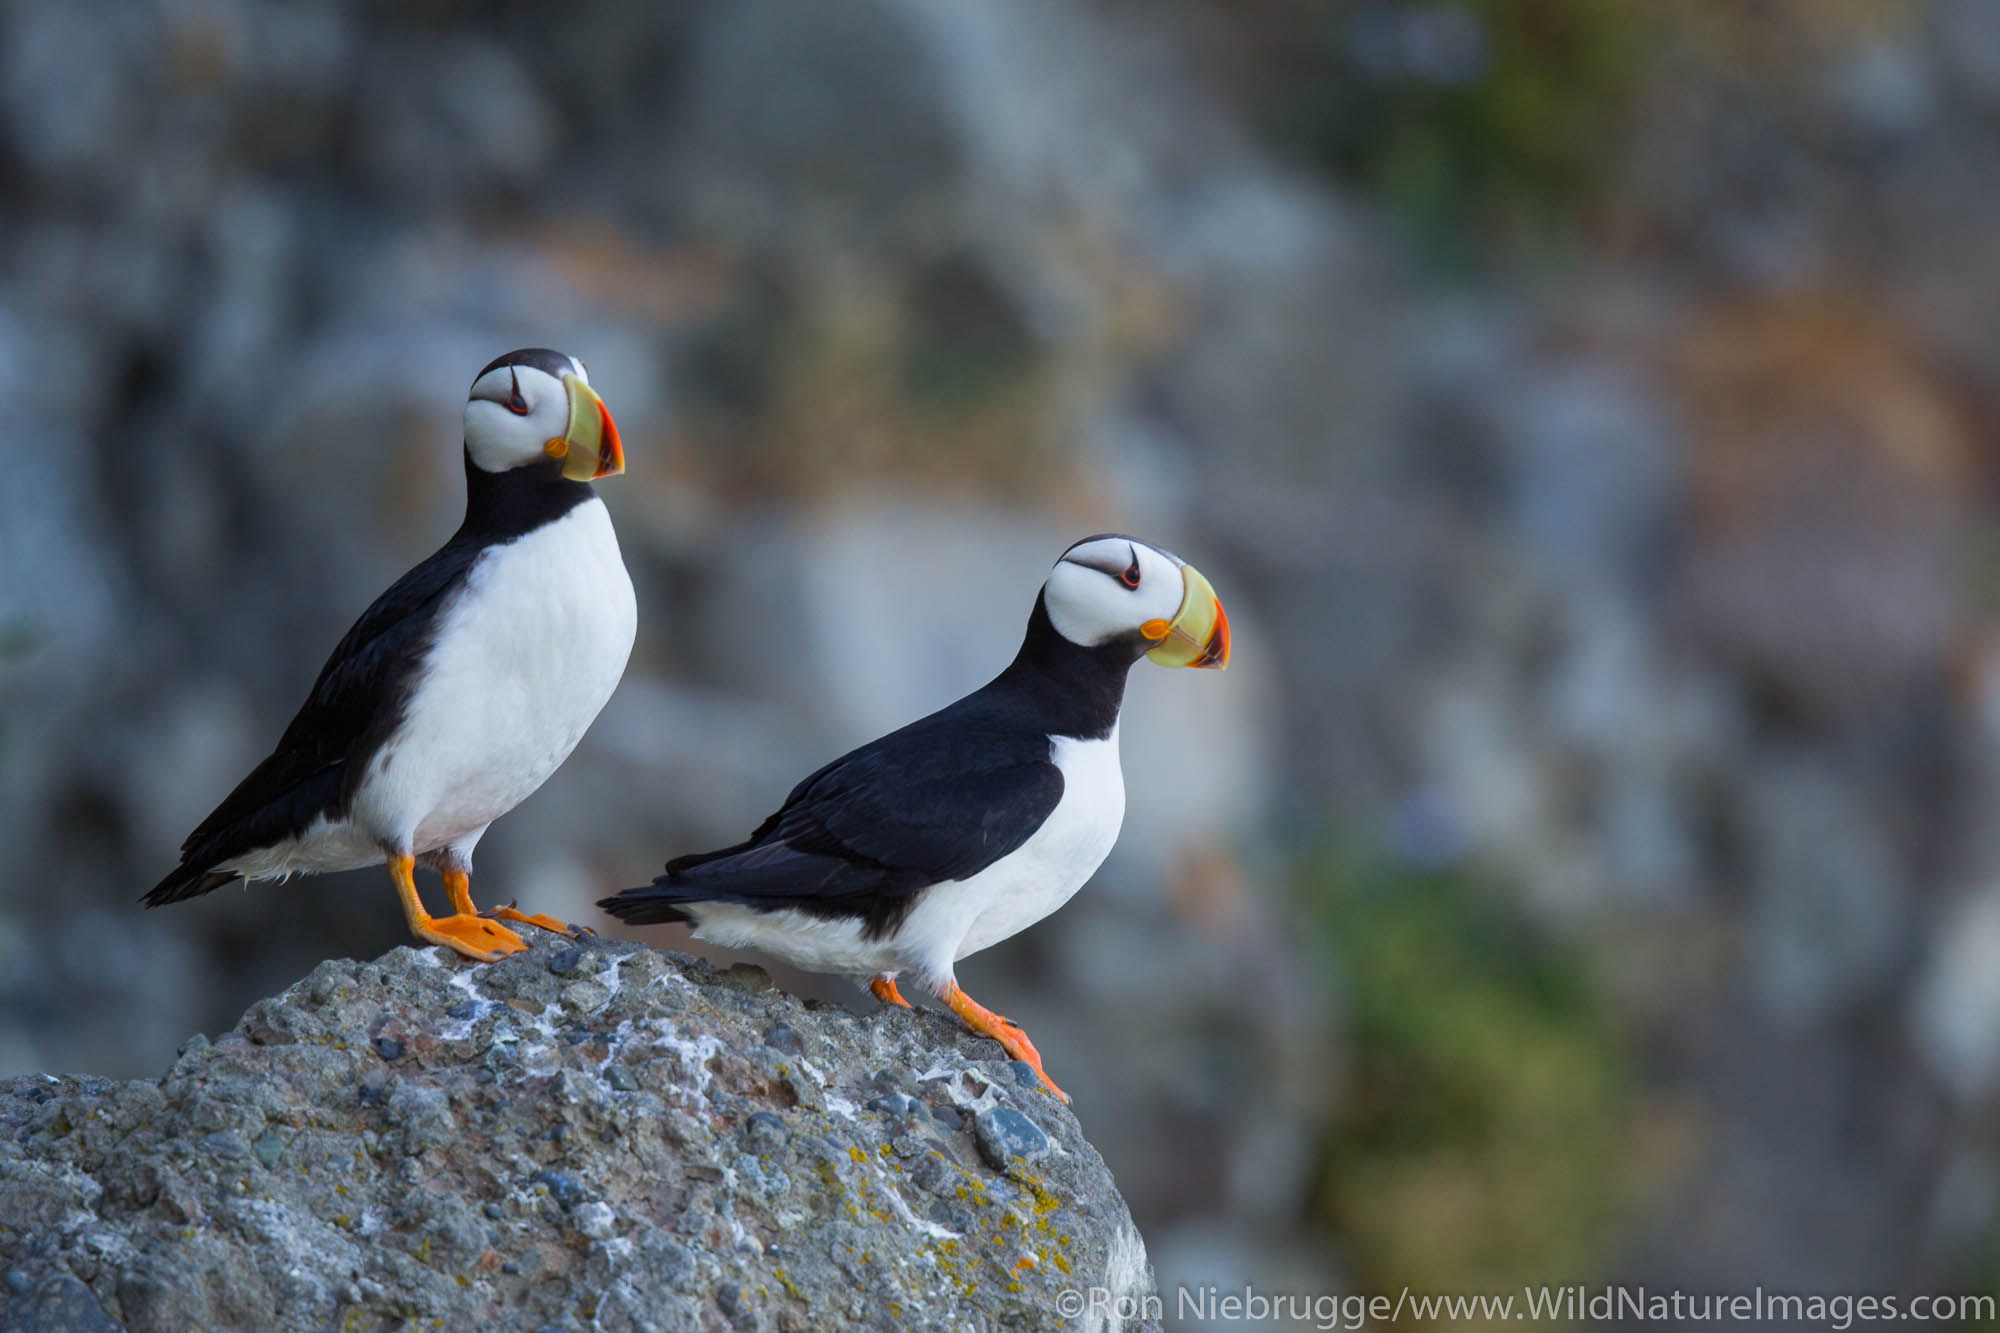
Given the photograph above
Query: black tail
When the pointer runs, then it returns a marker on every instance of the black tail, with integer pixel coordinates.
(186, 881)
(266, 808)
(649, 905)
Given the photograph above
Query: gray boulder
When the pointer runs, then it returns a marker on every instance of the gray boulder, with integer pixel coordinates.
(594, 1135)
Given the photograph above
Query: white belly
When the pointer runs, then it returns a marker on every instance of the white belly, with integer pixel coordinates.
(815, 943)
(324, 846)
(523, 660)
(960, 917)
(957, 917)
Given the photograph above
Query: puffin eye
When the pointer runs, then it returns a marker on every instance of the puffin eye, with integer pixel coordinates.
(1130, 578)
(515, 402)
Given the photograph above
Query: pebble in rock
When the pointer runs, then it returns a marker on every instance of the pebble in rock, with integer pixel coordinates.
(1005, 1136)
(562, 1186)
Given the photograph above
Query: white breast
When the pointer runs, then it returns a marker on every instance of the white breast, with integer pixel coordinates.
(960, 917)
(523, 660)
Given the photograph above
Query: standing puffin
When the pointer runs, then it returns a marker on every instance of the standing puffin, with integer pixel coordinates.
(465, 685)
(971, 824)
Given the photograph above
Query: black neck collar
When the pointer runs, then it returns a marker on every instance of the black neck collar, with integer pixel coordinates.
(500, 506)
(1075, 691)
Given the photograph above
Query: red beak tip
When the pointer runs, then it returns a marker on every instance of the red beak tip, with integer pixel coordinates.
(1216, 652)
(610, 451)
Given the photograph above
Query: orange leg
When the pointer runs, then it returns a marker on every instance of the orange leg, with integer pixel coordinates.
(458, 886)
(467, 932)
(885, 990)
(1003, 1030)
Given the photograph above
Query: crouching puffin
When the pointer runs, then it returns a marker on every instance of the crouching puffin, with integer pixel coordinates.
(974, 823)
(464, 686)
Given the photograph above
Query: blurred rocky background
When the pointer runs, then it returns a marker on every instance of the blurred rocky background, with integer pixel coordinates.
(1588, 868)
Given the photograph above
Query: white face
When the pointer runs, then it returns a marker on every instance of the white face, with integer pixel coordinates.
(1107, 586)
(514, 411)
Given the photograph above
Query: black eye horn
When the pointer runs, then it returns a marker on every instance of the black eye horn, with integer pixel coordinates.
(1130, 578)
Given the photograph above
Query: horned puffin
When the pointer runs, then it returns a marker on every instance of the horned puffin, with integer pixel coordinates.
(464, 686)
(969, 825)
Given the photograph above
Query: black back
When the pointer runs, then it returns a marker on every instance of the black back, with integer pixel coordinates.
(364, 690)
(940, 799)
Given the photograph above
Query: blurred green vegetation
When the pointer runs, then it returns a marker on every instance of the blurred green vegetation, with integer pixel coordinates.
(1486, 1133)
(1981, 1276)
(1476, 121)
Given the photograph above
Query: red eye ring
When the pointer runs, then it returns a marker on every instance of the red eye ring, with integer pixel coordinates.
(1130, 578)
(515, 402)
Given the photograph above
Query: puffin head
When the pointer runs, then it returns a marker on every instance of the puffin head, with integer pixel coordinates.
(1112, 587)
(534, 407)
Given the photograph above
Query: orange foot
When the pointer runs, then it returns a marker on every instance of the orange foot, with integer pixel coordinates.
(1003, 1030)
(884, 988)
(465, 932)
(541, 919)
(458, 887)
(474, 936)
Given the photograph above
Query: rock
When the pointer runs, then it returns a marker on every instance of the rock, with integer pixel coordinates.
(1828, 515)
(900, 1105)
(839, 111)
(1830, 916)
(1967, 38)
(1007, 1138)
(516, 1164)
(567, 962)
(595, 1220)
(464, 115)
(1956, 1015)
(60, 1305)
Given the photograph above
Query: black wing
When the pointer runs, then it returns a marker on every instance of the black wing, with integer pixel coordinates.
(943, 798)
(355, 705)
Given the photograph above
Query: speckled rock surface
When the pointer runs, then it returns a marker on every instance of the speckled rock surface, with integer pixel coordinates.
(583, 1136)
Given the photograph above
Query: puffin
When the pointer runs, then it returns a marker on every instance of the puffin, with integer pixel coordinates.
(967, 826)
(464, 686)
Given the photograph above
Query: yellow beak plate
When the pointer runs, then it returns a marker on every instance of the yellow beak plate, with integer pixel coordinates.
(1198, 635)
(591, 448)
